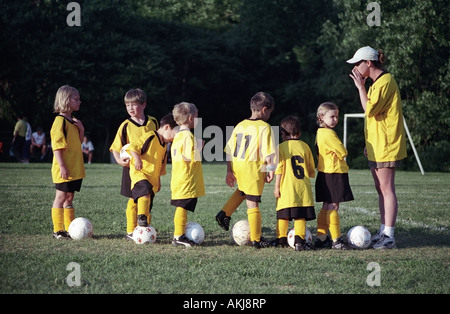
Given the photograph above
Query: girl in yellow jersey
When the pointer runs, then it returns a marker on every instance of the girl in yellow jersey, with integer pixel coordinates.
(66, 134)
(293, 185)
(332, 183)
(384, 135)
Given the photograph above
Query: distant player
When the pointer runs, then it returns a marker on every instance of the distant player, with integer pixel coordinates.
(293, 185)
(130, 130)
(250, 163)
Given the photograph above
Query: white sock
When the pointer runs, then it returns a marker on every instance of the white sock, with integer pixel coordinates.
(389, 231)
(381, 230)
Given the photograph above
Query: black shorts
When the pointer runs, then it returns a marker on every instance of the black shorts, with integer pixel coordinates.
(253, 198)
(125, 188)
(307, 213)
(333, 188)
(187, 203)
(70, 186)
(142, 188)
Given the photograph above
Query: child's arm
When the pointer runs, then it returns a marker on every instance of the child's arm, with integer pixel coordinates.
(62, 166)
(271, 166)
(230, 179)
(80, 128)
(137, 160)
(276, 190)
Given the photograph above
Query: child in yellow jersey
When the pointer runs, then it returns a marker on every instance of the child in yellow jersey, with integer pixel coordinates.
(250, 163)
(148, 163)
(66, 134)
(332, 183)
(187, 174)
(130, 130)
(293, 186)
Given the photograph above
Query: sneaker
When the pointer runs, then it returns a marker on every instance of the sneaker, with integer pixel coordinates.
(142, 221)
(340, 244)
(325, 244)
(183, 240)
(61, 235)
(384, 243)
(223, 220)
(129, 237)
(302, 246)
(262, 243)
(375, 238)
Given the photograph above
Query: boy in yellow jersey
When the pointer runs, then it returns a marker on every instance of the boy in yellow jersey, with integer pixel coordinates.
(332, 183)
(148, 163)
(130, 130)
(66, 134)
(293, 186)
(187, 174)
(250, 153)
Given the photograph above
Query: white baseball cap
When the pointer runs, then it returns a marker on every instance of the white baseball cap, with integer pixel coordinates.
(364, 53)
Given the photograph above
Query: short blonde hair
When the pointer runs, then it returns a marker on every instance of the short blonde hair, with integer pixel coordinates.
(62, 98)
(135, 95)
(322, 110)
(182, 111)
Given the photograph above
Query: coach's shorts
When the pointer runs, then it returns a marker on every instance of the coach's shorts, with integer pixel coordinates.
(333, 188)
(386, 164)
(187, 203)
(306, 212)
(70, 186)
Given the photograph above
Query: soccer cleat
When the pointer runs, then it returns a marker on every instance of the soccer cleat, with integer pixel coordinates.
(129, 236)
(142, 221)
(280, 242)
(325, 244)
(262, 243)
(384, 243)
(61, 235)
(339, 244)
(183, 240)
(302, 245)
(223, 220)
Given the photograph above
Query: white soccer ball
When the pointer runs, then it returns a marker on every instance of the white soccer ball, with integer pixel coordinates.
(143, 235)
(194, 232)
(80, 228)
(240, 232)
(359, 237)
(123, 153)
(291, 237)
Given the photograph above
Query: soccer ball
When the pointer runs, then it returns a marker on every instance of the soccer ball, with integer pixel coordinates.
(359, 237)
(194, 232)
(80, 228)
(240, 232)
(142, 235)
(123, 153)
(291, 237)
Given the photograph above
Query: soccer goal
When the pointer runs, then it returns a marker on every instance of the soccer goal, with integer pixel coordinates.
(361, 115)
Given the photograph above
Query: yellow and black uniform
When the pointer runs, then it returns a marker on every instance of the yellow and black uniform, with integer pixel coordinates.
(296, 167)
(384, 130)
(146, 181)
(130, 131)
(187, 177)
(65, 136)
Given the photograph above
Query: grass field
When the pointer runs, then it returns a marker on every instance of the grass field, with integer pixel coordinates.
(32, 262)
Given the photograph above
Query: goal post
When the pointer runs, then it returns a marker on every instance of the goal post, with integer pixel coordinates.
(361, 115)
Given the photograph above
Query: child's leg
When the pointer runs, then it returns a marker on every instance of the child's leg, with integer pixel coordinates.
(300, 229)
(233, 203)
(69, 211)
(143, 208)
(323, 223)
(282, 228)
(131, 214)
(254, 220)
(180, 221)
(58, 211)
(335, 224)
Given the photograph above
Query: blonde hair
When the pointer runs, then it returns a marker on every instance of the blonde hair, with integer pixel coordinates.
(62, 98)
(135, 95)
(322, 110)
(182, 111)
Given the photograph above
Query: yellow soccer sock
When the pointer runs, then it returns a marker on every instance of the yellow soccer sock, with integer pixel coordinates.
(254, 220)
(131, 214)
(282, 228)
(58, 219)
(69, 215)
(179, 220)
(143, 206)
(300, 227)
(323, 223)
(335, 225)
(233, 203)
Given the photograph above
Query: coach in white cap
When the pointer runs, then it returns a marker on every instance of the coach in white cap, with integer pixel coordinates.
(384, 134)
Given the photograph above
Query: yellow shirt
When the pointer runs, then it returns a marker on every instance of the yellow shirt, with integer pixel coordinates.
(384, 130)
(330, 152)
(65, 136)
(153, 154)
(187, 174)
(296, 166)
(251, 142)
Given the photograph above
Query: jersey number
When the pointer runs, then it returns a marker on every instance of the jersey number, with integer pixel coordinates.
(239, 138)
(299, 171)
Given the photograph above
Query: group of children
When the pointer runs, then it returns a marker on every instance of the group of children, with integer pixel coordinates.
(252, 160)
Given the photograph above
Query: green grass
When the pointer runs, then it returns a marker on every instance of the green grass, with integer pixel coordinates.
(32, 262)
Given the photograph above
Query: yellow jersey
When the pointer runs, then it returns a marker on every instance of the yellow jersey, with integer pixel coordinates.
(330, 152)
(296, 167)
(251, 142)
(65, 136)
(384, 130)
(187, 173)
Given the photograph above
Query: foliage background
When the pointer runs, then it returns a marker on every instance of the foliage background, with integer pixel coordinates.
(217, 54)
